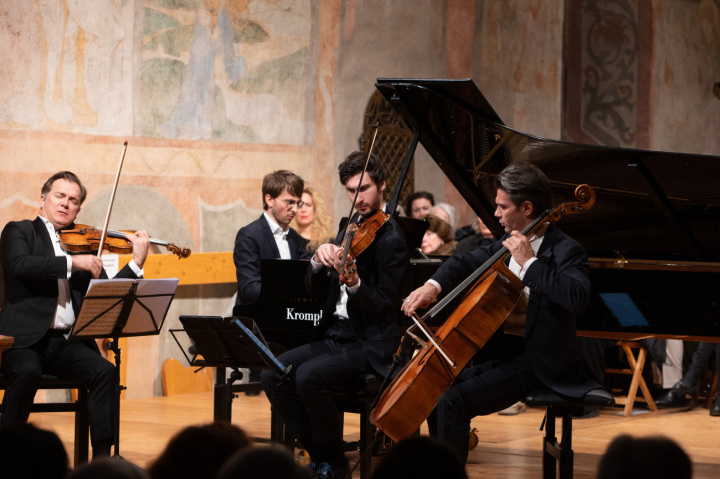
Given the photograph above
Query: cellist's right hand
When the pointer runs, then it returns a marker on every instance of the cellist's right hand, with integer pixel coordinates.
(420, 298)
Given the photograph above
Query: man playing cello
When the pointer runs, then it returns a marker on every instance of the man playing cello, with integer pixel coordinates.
(555, 272)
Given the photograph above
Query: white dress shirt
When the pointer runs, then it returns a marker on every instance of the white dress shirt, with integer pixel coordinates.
(280, 236)
(64, 313)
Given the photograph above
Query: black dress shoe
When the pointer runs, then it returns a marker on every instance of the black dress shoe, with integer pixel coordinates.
(334, 471)
(671, 399)
(715, 410)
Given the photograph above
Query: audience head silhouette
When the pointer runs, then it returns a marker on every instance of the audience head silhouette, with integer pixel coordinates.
(198, 451)
(109, 468)
(420, 457)
(28, 451)
(262, 463)
(652, 457)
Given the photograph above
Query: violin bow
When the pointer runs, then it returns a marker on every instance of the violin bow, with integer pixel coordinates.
(376, 126)
(112, 199)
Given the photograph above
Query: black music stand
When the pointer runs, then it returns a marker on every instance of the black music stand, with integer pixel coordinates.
(115, 308)
(234, 343)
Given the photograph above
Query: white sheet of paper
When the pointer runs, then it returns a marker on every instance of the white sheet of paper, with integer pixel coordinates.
(104, 301)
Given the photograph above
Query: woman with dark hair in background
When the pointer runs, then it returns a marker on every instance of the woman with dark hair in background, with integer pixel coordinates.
(418, 204)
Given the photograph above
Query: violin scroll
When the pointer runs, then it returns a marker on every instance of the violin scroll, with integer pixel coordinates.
(176, 250)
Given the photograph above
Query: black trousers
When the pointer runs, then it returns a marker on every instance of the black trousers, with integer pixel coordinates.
(479, 390)
(75, 360)
(307, 405)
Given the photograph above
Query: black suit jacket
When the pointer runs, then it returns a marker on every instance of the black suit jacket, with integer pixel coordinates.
(254, 243)
(31, 271)
(559, 283)
(374, 309)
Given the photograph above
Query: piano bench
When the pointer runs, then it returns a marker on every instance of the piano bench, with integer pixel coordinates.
(559, 455)
(79, 407)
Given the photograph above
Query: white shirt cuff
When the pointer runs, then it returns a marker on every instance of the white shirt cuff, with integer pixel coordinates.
(136, 269)
(315, 265)
(436, 284)
(526, 266)
(353, 289)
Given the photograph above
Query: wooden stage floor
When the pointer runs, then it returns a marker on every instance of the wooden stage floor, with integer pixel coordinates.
(509, 445)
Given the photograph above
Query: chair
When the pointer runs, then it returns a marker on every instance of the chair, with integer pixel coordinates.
(356, 397)
(178, 379)
(635, 370)
(559, 455)
(79, 407)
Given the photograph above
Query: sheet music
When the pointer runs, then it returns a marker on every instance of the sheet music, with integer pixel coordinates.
(104, 301)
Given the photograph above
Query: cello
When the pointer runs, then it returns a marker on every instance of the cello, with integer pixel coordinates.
(490, 295)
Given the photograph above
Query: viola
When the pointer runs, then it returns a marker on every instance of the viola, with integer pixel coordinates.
(86, 239)
(358, 236)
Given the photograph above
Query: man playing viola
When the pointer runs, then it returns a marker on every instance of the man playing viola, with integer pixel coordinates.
(358, 331)
(44, 290)
(555, 272)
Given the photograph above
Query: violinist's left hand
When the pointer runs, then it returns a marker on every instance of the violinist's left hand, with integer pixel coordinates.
(350, 278)
(519, 247)
(140, 242)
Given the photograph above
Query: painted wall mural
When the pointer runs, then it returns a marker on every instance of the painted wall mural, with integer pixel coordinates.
(231, 70)
(227, 70)
(607, 68)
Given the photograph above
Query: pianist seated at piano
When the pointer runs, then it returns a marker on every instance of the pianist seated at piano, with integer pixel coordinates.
(358, 332)
(555, 272)
(270, 236)
(439, 238)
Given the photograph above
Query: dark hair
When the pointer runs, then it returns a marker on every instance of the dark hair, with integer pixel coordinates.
(525, 182)
(108, 468)
(420, 457)
(67, 176)
(198, 451)
(28, 451)
(418, 194)
(354, 164)
(278, 181)
(655, 457)
(262, 463)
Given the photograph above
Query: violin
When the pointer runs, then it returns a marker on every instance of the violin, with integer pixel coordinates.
(358, 236)
(86, 239)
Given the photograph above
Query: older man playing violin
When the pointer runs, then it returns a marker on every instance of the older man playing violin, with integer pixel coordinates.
(44, 289)
(358, 331)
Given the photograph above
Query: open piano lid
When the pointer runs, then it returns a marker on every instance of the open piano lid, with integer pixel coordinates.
(653, 235)
(650, 205)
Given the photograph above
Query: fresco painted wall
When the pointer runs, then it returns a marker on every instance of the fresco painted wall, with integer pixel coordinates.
(213, 94)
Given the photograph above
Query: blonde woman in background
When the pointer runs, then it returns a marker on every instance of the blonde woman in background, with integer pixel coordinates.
(311, 221)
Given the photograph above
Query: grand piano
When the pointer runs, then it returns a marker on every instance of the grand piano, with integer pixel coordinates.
(653, 235)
